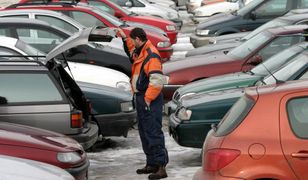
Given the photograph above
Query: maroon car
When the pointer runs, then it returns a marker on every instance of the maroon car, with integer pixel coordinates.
(241, 58)
(44, 146)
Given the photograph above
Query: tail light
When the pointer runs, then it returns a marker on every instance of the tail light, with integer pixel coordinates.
(216, 159)
(76, 119)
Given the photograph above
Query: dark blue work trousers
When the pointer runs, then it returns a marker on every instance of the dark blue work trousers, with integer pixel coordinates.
(150, 130)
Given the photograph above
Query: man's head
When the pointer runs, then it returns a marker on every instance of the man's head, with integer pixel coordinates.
(138, 36)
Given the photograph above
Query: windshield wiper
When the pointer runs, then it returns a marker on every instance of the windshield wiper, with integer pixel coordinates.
(249, 71)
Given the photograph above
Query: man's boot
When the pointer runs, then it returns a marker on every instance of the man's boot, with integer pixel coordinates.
(161, 173)
(147, 169)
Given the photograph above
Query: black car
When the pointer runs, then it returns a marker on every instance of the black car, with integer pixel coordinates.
(248, 18)
(45, 37)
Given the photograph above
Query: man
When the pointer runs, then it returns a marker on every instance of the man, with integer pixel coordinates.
(147, 81)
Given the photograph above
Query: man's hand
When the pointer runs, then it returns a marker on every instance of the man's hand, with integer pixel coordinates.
(120, 33)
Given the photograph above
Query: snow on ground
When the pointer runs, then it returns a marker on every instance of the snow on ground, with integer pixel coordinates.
(120, 159)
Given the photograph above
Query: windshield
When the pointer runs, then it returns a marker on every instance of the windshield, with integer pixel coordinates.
(113, 20)
(252, 44)
(286, 72)
(275, 23)
(235, 115)
(246, 9)
(29, 50)
(277, 60)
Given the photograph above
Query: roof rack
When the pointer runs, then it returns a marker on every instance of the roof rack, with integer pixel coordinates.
(46, 2)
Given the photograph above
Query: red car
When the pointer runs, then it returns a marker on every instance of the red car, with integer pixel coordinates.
(44, 146)
(263, 136)
(167, 26)
(242, 58)
(91, 16)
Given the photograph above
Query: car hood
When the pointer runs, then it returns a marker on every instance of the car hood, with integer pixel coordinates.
(212, 48)
(212, 97)
(194, 61)
(105, 91)
(218, 83)
(83, 37)
(25, 136)
(216, 19)
(147, 27)
(234, 37)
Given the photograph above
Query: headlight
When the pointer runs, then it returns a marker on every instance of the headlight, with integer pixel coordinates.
(184, 114)
(68, 157)
(202, 32)
(163, 44)
(185, 95)
(123, 85)
(127, 106)
(170, 28)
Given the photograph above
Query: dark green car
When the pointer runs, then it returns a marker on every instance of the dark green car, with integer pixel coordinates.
(212, 98)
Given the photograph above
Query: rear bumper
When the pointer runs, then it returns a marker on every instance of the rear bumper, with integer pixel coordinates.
(81, 172)
(88, 137)
(198, 41)
(201, 175)
(116, 124)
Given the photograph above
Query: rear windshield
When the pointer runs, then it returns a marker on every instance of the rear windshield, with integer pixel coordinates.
(235, 116)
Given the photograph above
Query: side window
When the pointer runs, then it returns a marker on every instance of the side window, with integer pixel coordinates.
(57, 22)
(120, 2)
(303, 4)
(279, 44)
(10, 52)
(28, 88)
(86, 19)
(303, 22)
(43, 40)
(272, 8)
(298, 116)
(16, 16)
(137, 3)
(5, 32)
(102, 6)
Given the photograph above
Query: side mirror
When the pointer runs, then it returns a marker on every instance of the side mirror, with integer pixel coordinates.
(128, 4)
(255, 60)
(117, 14)
(253, 15)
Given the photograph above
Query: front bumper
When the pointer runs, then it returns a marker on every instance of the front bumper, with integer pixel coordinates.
(88, 137)
(165, 53)
(81, 172)
(198, 41)
(172, 35)
(168, 91)
(189, 133)
(116, 124)
(178, 22)
(199, 19)
(170, 108)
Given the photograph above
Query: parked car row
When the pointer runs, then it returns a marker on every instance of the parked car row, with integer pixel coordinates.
(54, 61)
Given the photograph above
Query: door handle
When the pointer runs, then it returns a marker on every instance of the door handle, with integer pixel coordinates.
(300, 155)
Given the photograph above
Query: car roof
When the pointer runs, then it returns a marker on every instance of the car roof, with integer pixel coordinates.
(52, 4)
(22, 11)
(31, 66)
(287, 29)
(295, 17)
(279, 89)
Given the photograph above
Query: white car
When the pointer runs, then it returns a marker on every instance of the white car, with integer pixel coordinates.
(167, 3)
(80, 72)
(13, 168)
(203, 12)
(191, 5)
(144, 7)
